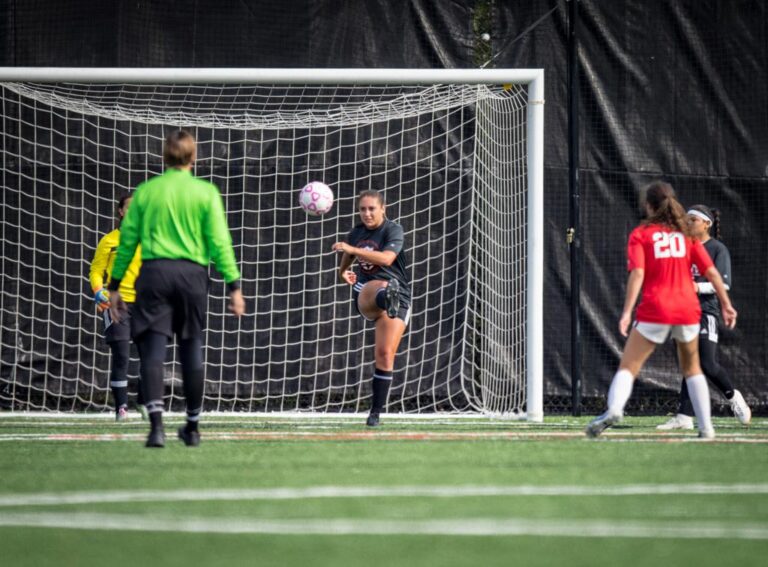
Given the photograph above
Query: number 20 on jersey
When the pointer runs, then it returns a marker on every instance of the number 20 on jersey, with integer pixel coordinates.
(668, 245)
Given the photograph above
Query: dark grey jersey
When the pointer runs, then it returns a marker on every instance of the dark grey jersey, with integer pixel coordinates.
(388, 236)
(722, 260)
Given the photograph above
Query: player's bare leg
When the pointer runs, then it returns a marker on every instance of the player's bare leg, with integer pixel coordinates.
(636, 353)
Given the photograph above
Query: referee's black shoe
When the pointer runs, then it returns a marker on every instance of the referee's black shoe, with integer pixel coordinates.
(373, 419)
(190, 438)
(392, 298)
(156, 438)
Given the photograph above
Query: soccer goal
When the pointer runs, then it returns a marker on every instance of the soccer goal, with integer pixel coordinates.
(457, 154)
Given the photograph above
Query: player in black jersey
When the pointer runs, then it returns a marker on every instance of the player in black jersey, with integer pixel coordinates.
(381, 286)
(703, 220)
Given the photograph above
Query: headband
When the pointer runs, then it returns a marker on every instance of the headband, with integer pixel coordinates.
(701, 215)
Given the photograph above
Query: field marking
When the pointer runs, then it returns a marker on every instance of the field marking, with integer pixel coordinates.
(321, 492)
(582, 528)
(614, 436)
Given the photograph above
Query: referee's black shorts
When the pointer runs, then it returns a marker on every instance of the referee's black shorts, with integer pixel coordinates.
(171, 298)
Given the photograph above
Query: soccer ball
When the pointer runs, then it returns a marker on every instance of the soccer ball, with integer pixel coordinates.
(316, 198)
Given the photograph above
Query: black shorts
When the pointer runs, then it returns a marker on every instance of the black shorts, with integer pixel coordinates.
(403, 313)
(114, 331)
(171, 298)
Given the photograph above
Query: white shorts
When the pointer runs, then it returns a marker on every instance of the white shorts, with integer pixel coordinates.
(659, 332)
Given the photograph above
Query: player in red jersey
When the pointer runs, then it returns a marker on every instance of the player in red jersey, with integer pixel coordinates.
(660, 254)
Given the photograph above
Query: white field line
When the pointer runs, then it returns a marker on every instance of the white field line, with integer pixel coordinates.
(321, 492)
(399, 435)
(354, 526)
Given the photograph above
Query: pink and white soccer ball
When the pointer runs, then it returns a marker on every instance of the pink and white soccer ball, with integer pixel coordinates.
(316, 198)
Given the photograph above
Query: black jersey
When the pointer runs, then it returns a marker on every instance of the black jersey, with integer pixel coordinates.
(722, 260)
(388, 236)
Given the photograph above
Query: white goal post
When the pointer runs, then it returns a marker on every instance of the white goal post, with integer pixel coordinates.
(457, 153)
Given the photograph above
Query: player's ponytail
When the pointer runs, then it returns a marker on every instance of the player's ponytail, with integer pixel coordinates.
(666, 210)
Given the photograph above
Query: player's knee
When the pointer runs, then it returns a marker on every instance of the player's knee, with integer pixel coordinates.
(385, 356)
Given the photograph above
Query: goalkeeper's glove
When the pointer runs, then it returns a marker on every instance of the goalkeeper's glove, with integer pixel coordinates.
(101, 298)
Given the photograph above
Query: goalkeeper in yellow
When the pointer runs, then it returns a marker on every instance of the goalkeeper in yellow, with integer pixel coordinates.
(117, 334)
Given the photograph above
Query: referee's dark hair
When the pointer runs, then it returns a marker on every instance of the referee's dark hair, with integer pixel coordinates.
(179, 149)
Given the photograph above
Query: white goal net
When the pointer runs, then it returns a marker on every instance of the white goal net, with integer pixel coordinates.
(452, 160)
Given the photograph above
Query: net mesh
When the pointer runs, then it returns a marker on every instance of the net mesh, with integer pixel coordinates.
(450, 160)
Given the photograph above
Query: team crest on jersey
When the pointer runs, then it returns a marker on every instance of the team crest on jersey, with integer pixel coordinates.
(366, 267)
(695, 271)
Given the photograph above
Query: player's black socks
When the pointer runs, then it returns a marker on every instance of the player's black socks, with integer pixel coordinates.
(382, 379)
(152, 353)
(118, 378)
(191, 356)
(193, 393)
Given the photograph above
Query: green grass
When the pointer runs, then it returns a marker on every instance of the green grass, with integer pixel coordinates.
(295, 454)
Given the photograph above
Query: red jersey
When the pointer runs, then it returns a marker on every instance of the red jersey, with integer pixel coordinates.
(666, 256)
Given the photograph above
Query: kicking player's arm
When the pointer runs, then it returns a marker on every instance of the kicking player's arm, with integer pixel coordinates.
(385, 258)
(345, 274)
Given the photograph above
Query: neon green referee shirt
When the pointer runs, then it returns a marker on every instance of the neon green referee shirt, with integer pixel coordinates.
(177, 216)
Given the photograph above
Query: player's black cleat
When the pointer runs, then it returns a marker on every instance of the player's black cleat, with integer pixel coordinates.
(156, 438)
(190, 438)
(373, 419)
(392, 298)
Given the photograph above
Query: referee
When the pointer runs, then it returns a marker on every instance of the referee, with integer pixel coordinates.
(181, 225)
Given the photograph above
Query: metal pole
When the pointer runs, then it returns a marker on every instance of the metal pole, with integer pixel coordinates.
(574, 231)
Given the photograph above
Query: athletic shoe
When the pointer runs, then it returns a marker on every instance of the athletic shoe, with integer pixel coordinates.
(156, 438)
(190, 438)
(121, 414)
(392, 298)
(706, 434)
(142, 409)
(680, 421)
(601, 423)
(740, 408)
(373, 419)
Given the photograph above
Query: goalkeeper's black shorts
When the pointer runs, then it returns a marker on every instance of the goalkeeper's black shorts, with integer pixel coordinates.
(114, 331)
(171, 298)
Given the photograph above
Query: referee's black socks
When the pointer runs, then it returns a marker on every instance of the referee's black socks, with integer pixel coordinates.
(382, 379)
(193, 394)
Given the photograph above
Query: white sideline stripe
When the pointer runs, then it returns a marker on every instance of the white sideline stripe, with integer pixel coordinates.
(354, 526)
(115, 496)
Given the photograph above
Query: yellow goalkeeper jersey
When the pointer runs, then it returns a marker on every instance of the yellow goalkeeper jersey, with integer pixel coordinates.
(104, 259)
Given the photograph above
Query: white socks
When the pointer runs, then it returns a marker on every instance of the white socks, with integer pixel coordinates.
(698, 390)
(619, 392)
